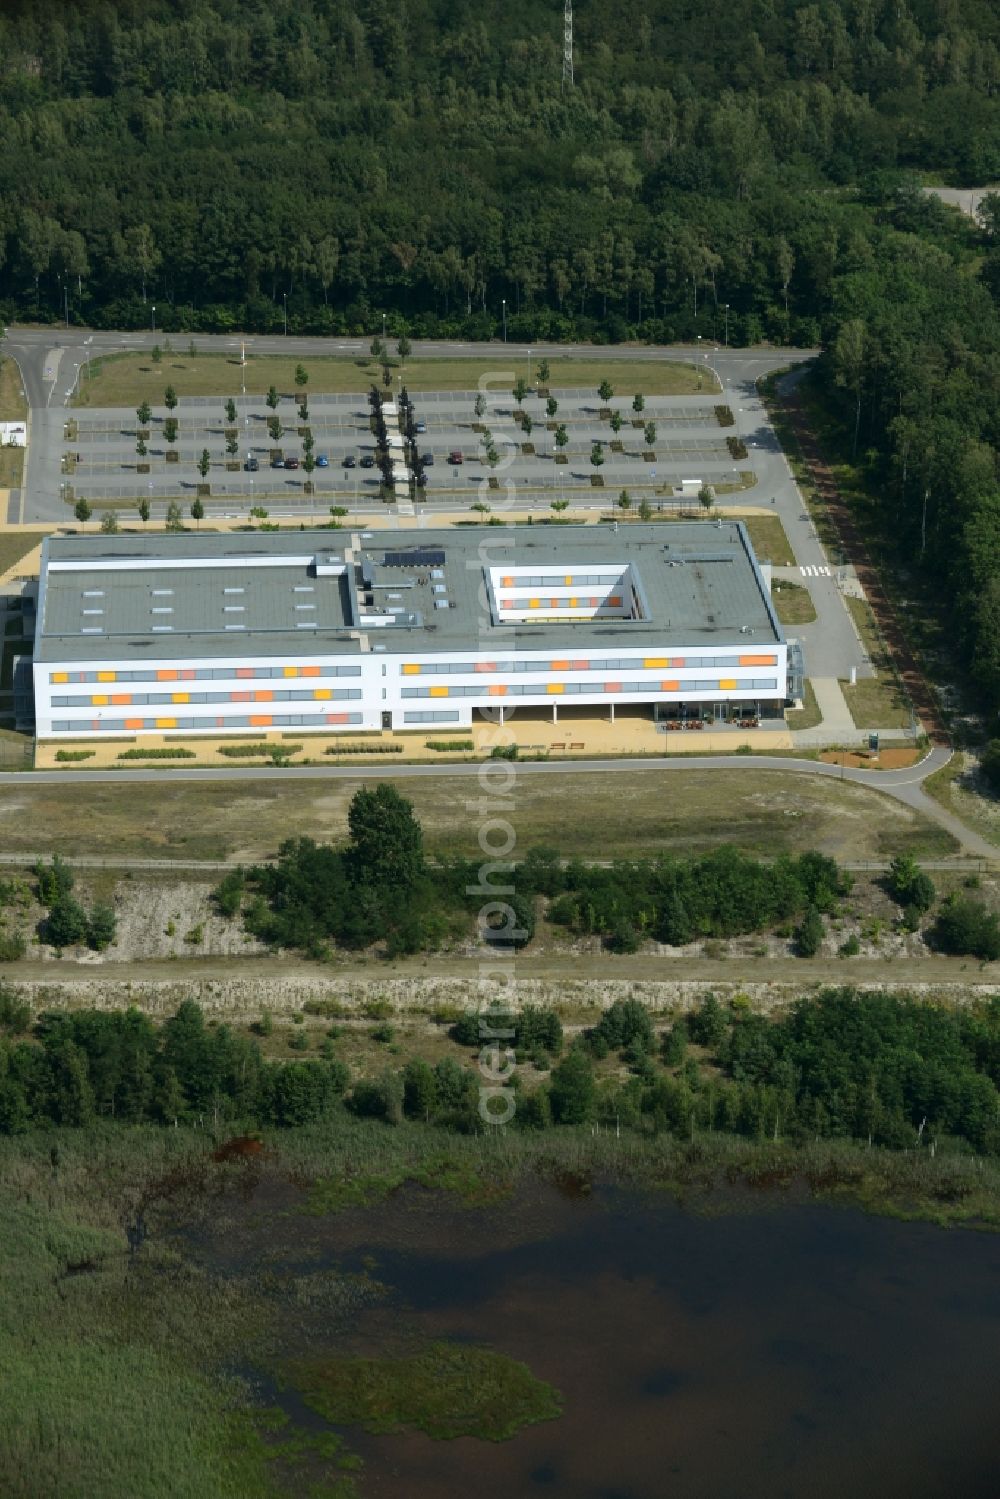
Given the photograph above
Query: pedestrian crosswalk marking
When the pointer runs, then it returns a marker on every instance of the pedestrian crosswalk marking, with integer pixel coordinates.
(811, 570)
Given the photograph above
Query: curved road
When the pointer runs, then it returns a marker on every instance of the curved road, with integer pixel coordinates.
(904, 785)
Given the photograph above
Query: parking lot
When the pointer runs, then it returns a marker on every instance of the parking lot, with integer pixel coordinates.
(689, 445)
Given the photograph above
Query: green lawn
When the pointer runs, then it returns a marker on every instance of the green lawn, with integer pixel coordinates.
(793, 604)
(878, 702)
(808, 716)
(769, 541)
(13, 406)
(17, 544)
(124, 379)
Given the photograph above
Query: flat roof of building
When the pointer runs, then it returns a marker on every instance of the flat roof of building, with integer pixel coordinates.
(319, 592)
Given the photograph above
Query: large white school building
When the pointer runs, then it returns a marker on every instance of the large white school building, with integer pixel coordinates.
(408, 630)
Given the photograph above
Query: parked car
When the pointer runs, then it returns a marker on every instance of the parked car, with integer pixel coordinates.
(291, 463)
(277, 462)
(350, 461)
(421, 426)
(251, 465)
(455, 456)
(428, 460)
(322, 461)
(367, 461)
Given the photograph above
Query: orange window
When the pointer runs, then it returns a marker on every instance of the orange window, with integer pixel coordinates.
(439, 692)
(560, 666)
(506, 603)
(758, 660)
(677, 661)
(572, 603)
(727, 684)
(612, 687)
(615, 600)
(245, 671)
(263, 695)
(553, 603)
(579, 665)
(180, 697)
(58, 676)
(507, 582)
(322, 692)
(555, 687)
(670, 686)
(260, 720)
(166, 723)
(166, 674)
(497, 690)
(106, 676)
(290, 671)
(311, 671)
(593, 603)
(188, 674)
(336, 718)
(532, 603)
(133, 723)
(485, 666)
(121, 697)
(239, 697)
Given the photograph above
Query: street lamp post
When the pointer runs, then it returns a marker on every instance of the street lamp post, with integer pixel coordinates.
(284, 300)
(154, 317)
(383, 328)
(727, 324)
(505, 319)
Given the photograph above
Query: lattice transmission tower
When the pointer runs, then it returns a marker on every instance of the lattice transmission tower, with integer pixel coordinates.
(567, 73)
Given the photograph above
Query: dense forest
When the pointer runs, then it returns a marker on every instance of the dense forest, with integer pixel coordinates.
(880, 1068)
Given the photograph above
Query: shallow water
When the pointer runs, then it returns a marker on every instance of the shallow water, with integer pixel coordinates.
(783, 1350)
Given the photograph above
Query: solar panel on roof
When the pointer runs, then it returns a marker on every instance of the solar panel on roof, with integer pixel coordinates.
(419, 557)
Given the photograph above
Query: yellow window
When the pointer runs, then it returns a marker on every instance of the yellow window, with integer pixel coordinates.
(58, 676)
(439, 692)
(411, 669)
(568, 580)
(572, 603)
(99, 699)
(651, 662)
(727, 684)
(106, 676)
(291, 671)
(555, 687)
(166, 723)
(532, 603)
(180, 697)
(323, 692)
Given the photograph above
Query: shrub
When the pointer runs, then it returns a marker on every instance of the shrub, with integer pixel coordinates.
(444, 746)
(363, 749)
(65, 756)
(228, 894)
(383, 1033)
(11, 947)
(102, 927)
(724, 416)
(809, 934)
(851, 947)
(15, 1014)
(909, 885)
(299, 1040)
(966, 927)
(165, 752)
(246, 751)
(989, 764)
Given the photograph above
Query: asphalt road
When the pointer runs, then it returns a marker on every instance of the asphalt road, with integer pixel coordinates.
(904, 785)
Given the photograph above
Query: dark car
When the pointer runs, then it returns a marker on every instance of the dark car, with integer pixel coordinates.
(350, 461)
(455, 456)
(251, 465)
(367, 461)
(291, 463)
(277, 462)
(428, 460)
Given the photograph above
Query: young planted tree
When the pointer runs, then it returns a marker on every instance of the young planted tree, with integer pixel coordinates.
(301, 376)
(274, 428)
(204, 463)
(561, 436)
(272, 397)
(605, 390)
(624, 500)
(596, 456)
(480, 406)
(303, 410)
(170, 429)
(308, 464)
(232, 446)
(157, 355)
(170, 398)
(144, 414)
(527, 426)
(174, 519)
(377, 347)
(141, 448)
(492, 456)
(197, 510)
(559, 506)
(543, 371)
(615, 422)
(706, 497)
(551, 407)
(143, 508)
(403, 348)
(520, 389)
(230, 411)
(109, 523)
(645, 509)
(649, 433)
(82, 510)
(638, 404)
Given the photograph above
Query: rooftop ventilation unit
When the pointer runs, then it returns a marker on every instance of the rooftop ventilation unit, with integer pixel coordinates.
(415, 558)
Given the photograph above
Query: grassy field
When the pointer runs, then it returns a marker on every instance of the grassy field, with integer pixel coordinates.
(591, 816)
(17, 544)
(967, 796)
(808, 716)
(878, 702)
(793, 604)
(13, 406)
(123, 379)
(769, 540)
(11, 467)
